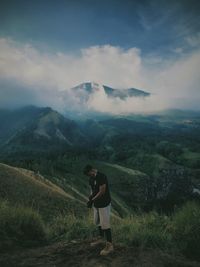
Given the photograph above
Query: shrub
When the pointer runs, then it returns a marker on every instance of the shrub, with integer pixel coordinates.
(20, 226)
(186, 229)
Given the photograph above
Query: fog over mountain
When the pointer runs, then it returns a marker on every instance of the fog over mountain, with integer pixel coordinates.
(48, 48)
(29, 76)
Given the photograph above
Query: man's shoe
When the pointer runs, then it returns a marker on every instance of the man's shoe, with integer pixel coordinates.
(107, 250)
(96, 242)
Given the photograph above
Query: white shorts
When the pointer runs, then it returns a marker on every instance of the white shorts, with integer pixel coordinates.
(102, 216)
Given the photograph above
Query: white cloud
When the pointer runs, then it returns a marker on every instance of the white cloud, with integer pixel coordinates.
(173, 82)
(178, 50)
(193, 40)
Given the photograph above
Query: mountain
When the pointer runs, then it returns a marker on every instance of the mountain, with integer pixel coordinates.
(37, 129)
(81, 101)
(124, 93)
(88, 88)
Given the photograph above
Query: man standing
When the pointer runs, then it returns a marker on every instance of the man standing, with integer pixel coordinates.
(101, 201)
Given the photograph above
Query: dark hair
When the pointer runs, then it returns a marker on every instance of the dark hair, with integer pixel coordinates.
(87, 168)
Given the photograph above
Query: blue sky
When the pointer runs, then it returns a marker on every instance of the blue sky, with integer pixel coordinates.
(70, 25)
(51, 46)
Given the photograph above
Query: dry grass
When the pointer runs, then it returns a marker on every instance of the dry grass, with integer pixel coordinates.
(19, 186)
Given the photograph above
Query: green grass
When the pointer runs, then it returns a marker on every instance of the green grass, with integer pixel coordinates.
(186, 229)
(180, 233)
(144, 231)
(38, 210)
(70, 227)
(20, 226)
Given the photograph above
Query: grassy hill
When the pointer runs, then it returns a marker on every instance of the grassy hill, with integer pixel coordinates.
(26, 188)
(55, 195)
(126, 185)
(37, 129)
(63, 200)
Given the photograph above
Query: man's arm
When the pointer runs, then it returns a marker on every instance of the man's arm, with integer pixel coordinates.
(102, 190)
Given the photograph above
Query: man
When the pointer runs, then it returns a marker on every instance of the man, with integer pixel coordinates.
(101, 201)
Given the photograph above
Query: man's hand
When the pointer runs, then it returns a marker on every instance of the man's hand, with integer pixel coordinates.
(102, 190)
(90, 197)
(89, 204)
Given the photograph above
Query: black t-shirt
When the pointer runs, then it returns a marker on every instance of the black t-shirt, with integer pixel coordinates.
(95, 183)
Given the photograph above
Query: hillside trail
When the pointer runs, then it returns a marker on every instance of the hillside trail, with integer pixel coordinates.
(80, 254)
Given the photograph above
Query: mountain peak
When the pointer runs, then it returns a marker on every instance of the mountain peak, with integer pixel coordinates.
(92, 87)
(89, 97)
(88, 87)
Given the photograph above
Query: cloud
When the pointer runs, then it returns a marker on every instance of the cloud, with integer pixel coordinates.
(30, 76)
(99, 101)
(193, 40)
(59, 71)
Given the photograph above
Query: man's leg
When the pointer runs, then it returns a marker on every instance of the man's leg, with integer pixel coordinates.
(97, 222)
(101, 232)
(96, 216)
(104, 215)
(108, 235)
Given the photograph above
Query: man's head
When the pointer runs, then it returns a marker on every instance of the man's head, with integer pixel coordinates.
(89, 171)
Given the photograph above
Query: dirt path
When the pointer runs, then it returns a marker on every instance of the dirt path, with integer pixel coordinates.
(80, 254)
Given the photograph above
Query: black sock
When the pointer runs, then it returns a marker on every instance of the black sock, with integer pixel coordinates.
(108, 235)
(101, 231)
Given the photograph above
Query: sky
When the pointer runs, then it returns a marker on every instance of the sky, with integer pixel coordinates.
(47, 47)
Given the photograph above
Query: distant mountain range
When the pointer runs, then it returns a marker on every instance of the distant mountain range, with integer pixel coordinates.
(40, 129)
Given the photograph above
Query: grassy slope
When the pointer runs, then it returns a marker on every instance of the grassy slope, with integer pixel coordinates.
(67, 194)
(122, 180)
(19, 186)
(68, 190)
